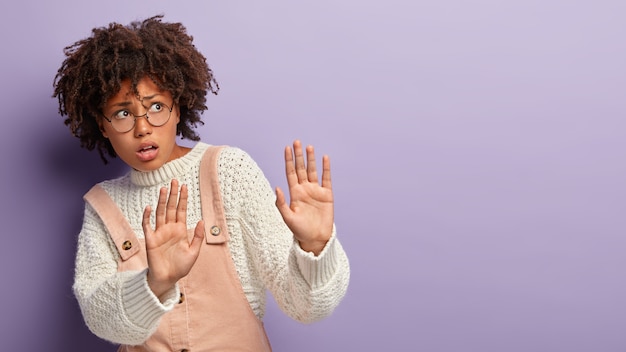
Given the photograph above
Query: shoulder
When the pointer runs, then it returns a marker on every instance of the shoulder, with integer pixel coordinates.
(116, 185)
(234, 161)
(239, 175)
(225, 155)
(112, 185)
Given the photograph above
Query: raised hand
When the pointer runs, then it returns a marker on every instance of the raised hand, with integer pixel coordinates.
(170, 255)
(310, 213)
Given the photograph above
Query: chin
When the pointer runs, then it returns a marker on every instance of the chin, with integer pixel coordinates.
(147, 166)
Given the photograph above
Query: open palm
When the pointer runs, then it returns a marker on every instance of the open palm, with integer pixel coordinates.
(310, 212)
(170, 254)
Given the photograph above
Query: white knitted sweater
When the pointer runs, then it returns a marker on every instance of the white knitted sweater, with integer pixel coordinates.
(120, 307)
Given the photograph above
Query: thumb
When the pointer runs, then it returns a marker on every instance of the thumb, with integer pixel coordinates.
(198, 237)
(283, 208)
(281, 204)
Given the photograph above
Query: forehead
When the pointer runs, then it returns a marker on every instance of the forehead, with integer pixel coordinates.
(146, 89)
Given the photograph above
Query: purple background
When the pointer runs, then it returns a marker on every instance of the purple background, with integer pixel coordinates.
(478, 153)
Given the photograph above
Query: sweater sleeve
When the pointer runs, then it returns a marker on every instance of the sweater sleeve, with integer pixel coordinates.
(306, 287)
(118, 307)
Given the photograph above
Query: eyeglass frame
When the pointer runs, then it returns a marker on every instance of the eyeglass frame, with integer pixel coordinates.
(110, 119)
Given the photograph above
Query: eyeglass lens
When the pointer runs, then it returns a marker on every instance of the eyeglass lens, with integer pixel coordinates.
(157, 115)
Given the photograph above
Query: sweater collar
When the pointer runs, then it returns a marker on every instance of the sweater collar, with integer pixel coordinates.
(170, 170)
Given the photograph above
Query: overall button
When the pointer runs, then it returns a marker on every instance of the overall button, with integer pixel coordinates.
(215, 230)
(127, 245)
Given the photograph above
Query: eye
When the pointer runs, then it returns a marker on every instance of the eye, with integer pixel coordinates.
(122, 115)
(156, 107)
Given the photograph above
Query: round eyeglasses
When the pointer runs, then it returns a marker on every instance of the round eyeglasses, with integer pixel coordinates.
(157, 115)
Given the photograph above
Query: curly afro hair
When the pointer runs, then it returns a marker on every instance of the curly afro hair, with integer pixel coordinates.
(95, 67)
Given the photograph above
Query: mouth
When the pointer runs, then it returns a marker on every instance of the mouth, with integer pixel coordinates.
(147, 151)
(147, 148)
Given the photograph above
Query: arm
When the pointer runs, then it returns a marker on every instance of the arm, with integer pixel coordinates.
(126, 307)
(118, 307)
(306, 287)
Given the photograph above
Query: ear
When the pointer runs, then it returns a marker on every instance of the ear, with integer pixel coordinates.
(177, 109)
(101, 127)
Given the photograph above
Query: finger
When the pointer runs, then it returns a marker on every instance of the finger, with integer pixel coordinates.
(281, 204)
(326, 183)
(310, 164)
(145, 223)
(290, 170)
(300, 167)
(160, 210)
(181, 209)
(280, 198)
(172, 201)
(198, 237)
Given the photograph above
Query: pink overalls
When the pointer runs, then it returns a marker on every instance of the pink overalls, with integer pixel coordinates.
(213, 313)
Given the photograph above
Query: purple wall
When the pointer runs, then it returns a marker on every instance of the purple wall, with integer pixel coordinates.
(478, 151)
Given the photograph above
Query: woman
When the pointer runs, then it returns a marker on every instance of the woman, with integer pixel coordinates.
(191, 275)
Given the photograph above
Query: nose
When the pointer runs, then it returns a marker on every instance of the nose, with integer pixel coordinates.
(142, 126)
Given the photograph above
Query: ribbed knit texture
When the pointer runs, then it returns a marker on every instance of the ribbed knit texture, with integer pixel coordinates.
(120, 307)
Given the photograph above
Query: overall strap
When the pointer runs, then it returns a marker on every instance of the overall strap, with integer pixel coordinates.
(126, 241)
(215, 228)
(119, 229)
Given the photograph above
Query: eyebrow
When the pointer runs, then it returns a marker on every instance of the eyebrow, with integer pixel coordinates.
(126, 103)
(150, 97)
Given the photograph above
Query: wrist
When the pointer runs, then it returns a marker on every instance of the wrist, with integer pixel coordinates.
(315, 247)
(159, 288)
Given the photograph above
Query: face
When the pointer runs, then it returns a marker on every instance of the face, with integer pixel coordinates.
(144, 147)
